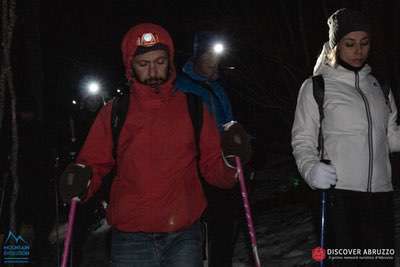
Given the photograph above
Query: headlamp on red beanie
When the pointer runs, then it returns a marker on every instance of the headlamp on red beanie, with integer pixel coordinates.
(147, 39)
(149, 42)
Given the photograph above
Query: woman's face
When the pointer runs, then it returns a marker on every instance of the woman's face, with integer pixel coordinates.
(354, 48)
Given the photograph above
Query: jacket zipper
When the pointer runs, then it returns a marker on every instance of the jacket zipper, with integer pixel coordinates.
(370, 144)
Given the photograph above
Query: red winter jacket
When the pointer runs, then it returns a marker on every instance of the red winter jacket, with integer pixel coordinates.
(156, 188)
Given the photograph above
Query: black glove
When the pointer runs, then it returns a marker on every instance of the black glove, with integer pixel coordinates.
(236, 142)
(74, 181)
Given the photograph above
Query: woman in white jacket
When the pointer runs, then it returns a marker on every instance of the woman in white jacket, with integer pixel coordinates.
(359, 130)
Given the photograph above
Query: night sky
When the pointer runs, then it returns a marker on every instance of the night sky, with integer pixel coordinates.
(272, 45)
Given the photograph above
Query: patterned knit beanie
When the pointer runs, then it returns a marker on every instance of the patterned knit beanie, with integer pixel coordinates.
(344, 21)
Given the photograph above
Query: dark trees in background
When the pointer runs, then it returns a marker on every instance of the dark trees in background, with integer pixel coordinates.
(272, 45)
(8, 117)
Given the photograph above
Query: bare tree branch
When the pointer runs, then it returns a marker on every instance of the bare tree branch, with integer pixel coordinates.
(6, 83)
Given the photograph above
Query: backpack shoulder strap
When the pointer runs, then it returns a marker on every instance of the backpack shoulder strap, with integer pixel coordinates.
(119, 110)
(195, 108)
(319, 94)
(385, 87)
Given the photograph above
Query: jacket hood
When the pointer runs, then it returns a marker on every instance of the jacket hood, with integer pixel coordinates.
(147, 35)
(322, 67)
(188, 68)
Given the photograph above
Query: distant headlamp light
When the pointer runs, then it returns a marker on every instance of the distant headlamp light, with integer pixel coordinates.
(218, 48)
(93, 88)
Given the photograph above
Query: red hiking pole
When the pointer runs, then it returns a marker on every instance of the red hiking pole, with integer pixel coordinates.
(246, 205)
(67, 241)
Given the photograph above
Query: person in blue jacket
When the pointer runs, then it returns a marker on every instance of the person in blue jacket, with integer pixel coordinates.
(200, 76)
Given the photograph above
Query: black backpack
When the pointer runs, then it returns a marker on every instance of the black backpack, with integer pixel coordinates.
(319, 94)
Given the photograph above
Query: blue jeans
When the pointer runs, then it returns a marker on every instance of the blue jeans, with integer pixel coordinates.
(176, 249)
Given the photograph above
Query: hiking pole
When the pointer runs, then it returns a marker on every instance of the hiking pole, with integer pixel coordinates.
(246, 205)
(323, 214)
(324, 194)
(67, 241)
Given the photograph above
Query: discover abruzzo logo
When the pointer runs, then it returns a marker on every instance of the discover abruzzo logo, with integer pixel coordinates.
(319, 254)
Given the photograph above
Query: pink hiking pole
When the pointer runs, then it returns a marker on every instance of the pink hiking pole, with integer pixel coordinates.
(67, 241)
(246, 205)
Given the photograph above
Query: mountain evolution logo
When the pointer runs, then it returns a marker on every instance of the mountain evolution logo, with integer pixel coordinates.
(15, 249)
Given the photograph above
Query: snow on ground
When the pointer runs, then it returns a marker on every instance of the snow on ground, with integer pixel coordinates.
(284, 238)
(283, 223)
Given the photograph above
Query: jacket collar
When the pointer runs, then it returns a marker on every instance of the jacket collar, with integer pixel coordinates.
(188, 68)
(341, 73)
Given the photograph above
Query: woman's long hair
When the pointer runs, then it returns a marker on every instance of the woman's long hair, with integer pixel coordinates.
(328, 56)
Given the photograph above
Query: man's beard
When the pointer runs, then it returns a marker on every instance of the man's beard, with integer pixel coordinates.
(154, 82)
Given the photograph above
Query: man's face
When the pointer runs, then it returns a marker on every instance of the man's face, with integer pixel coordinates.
(93, 103)
(151, 68)
(207, 65)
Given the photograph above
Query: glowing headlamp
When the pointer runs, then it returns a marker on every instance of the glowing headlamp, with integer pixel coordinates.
(218, 48)
(93, 88)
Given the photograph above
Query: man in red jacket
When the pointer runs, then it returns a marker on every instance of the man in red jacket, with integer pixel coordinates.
(156, 197)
